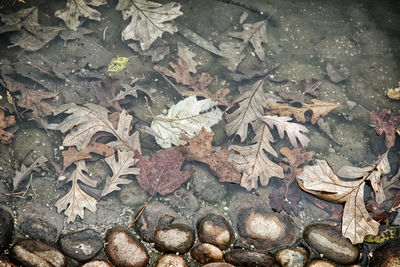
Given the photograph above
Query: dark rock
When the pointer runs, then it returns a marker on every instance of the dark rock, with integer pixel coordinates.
(148, 221)
(123, 249)
(171, 260)
(175, 237)
(82, 245)
(215, 229)
(218, 264)
(6, 228)
(264, 229)
(337, 72)
(185, 201)
(293, 257)
(37, 253)
(329, 242)
(38, 228)
(243, 257)
(96, 263)
(387, 255)
(205, 253)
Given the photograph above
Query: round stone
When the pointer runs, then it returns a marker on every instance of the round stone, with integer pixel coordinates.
(37, 253)
(321, 263)
(264, 229)
(123, 249)
(205, 253)
(82, 245)
(218, 264)
(244, 257)
(329, 242)
(174, 238)
(294, 257)
(96, 263)
(171, 260)
(215, 229)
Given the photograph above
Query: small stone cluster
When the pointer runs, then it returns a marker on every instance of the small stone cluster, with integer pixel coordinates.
(265, 238)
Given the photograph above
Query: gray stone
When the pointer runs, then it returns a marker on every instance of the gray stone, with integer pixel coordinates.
(176, 237)
(82, 245)
(184, 200)
(206, 186)
(6, 228)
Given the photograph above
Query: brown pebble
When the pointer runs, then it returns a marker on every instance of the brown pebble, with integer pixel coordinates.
(218, 264)
(171, 260)
(123, 249)
(174, 238)
(321, 263)
(37, 253)
(97, 263)
(244, 257)
(216, 230)
(205, 253)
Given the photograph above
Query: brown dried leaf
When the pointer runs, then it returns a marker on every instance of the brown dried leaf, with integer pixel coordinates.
(25, 171)
(319, 109)
(246, 110)
(76, 200)
(253, 162)
(162, 174)
(320, 181)
(182, 75)
(296, 158)
(5, 122)
(387, 122)
(199, 149)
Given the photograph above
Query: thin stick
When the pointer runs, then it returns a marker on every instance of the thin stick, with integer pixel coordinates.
(140, 213)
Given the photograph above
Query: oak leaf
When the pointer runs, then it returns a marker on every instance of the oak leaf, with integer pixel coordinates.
(149, 20)
(320, 181)
(121, 164)
(76, 200)
(188, 116)
(75, 9)
(253, 162)
(162, 174)
(5, 122)
(318, 108)
(21, 174)
(387, 122)
(187, 55)
(181, 74)
(246, 110)
(295, 158)
(292, 129)
(199, 148)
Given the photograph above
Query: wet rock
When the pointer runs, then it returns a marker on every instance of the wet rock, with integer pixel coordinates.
(6, 263)
(82, 245)
(292, 257)
(148, 221)
(215, 229)
(337, 72)
(41, 223)
(205, 253)
(265, 229)
(184, 200)
(29, 144)
(244, 257)
(330, 243)
(321, 263)
(37, 253)
(171, 260)
(6, 228)
(218, 264)
(123, 249)
(206, 186)
(176, 237)
(96, 263)
(387, 255)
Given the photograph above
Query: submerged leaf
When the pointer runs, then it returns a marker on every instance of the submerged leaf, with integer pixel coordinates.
(320, 181)
(20, 175)
(188, 116)
(387, 122)
(149, 20)
(162, 174)
(75, 9)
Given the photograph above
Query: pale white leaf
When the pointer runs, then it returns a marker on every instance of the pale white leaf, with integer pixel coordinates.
(188, 116)
(187, 55)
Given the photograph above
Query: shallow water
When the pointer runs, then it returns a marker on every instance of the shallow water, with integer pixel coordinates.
(303, 37)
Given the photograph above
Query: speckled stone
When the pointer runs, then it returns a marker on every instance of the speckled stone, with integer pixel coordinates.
(321, 263)
(215, 229)
(96, 263)
(123, 249)
(265, 229)
(330, 243)
(205, 253)
(175, 237)
(171, 260)
(37, 253)
(244, 257)
(292, 257)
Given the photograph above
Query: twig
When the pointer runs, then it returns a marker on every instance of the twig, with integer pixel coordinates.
(140, 213)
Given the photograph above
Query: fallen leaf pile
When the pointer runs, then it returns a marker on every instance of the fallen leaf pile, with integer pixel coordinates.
(6, 122)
